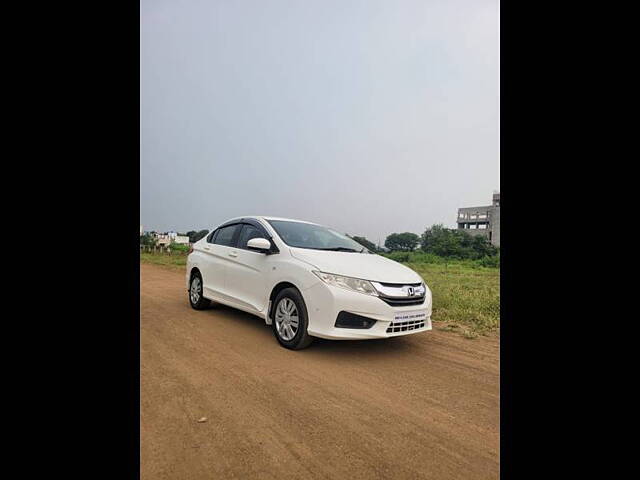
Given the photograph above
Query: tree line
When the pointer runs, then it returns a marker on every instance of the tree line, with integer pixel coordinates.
(437, 240)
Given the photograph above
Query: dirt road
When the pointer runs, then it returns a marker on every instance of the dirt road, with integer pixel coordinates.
(422, 406)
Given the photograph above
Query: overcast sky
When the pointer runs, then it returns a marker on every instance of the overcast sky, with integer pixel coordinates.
(369, 116)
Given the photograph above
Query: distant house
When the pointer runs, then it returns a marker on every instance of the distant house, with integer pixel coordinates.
(141, 230)
(181, 239)
(166, 239)
(163, 239)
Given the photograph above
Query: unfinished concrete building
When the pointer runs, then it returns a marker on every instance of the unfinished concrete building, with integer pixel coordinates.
(483, 220)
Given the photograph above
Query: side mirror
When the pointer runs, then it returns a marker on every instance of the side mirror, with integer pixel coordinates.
(260, 244)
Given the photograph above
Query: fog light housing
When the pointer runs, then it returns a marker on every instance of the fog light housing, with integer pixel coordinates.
(351, 320)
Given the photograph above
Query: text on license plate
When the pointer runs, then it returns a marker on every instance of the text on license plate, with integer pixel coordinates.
(406, 316)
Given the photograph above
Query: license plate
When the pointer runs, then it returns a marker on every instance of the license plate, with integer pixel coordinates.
(410, 316)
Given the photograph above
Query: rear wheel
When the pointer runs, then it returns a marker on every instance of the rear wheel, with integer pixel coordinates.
(196, 299)
(290, 320)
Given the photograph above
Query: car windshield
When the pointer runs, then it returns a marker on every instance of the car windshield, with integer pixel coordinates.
(308, 235)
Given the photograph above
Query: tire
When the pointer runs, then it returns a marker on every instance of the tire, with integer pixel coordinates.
(288, 334)
(197, 301)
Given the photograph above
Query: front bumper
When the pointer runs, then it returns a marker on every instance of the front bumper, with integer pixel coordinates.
(324, 302)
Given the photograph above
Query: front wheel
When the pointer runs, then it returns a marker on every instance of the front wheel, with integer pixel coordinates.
(196, 299)
(290, 320)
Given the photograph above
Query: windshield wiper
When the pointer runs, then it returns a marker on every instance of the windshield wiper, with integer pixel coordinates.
(338, 249)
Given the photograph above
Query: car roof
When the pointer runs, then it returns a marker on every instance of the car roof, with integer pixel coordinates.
(287, 220)
(265, 218)
(262, 217)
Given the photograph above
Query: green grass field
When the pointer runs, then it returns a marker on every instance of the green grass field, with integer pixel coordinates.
(465, 299)
(176, 260)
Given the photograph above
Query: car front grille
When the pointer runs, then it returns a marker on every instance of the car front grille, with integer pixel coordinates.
(405, 326)
(397, 294)
(402, 302)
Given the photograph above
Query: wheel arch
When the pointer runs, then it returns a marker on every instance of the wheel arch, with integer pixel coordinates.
(274, 293)
(193, 271)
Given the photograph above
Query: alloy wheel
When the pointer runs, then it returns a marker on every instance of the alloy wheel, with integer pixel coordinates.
(287, 320)
(194, 292)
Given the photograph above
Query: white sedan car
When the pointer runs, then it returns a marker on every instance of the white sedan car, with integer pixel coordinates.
(306, 281)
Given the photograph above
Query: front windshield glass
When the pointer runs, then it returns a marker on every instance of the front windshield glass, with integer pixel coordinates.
(307, 235)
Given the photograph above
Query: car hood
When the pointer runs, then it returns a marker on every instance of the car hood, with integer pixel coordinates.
(359, 265)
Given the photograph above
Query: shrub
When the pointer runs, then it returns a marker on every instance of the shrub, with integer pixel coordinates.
(453, 243)
(422, 257)
(399, 256)
(491, 262)
(179, 247)
(147, 240)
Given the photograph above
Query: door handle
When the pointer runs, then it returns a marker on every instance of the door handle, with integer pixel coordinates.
(206, 248)
(233, 254)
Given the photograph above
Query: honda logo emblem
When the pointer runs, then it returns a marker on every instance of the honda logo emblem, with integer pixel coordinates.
(410, 291)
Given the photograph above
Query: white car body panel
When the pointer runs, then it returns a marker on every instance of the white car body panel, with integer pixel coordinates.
(245, 279)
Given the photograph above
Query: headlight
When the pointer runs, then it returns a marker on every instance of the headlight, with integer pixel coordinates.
(349, 283)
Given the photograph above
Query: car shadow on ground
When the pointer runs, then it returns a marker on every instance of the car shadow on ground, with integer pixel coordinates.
(240, 318)
(374, 346)
(334, 347)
